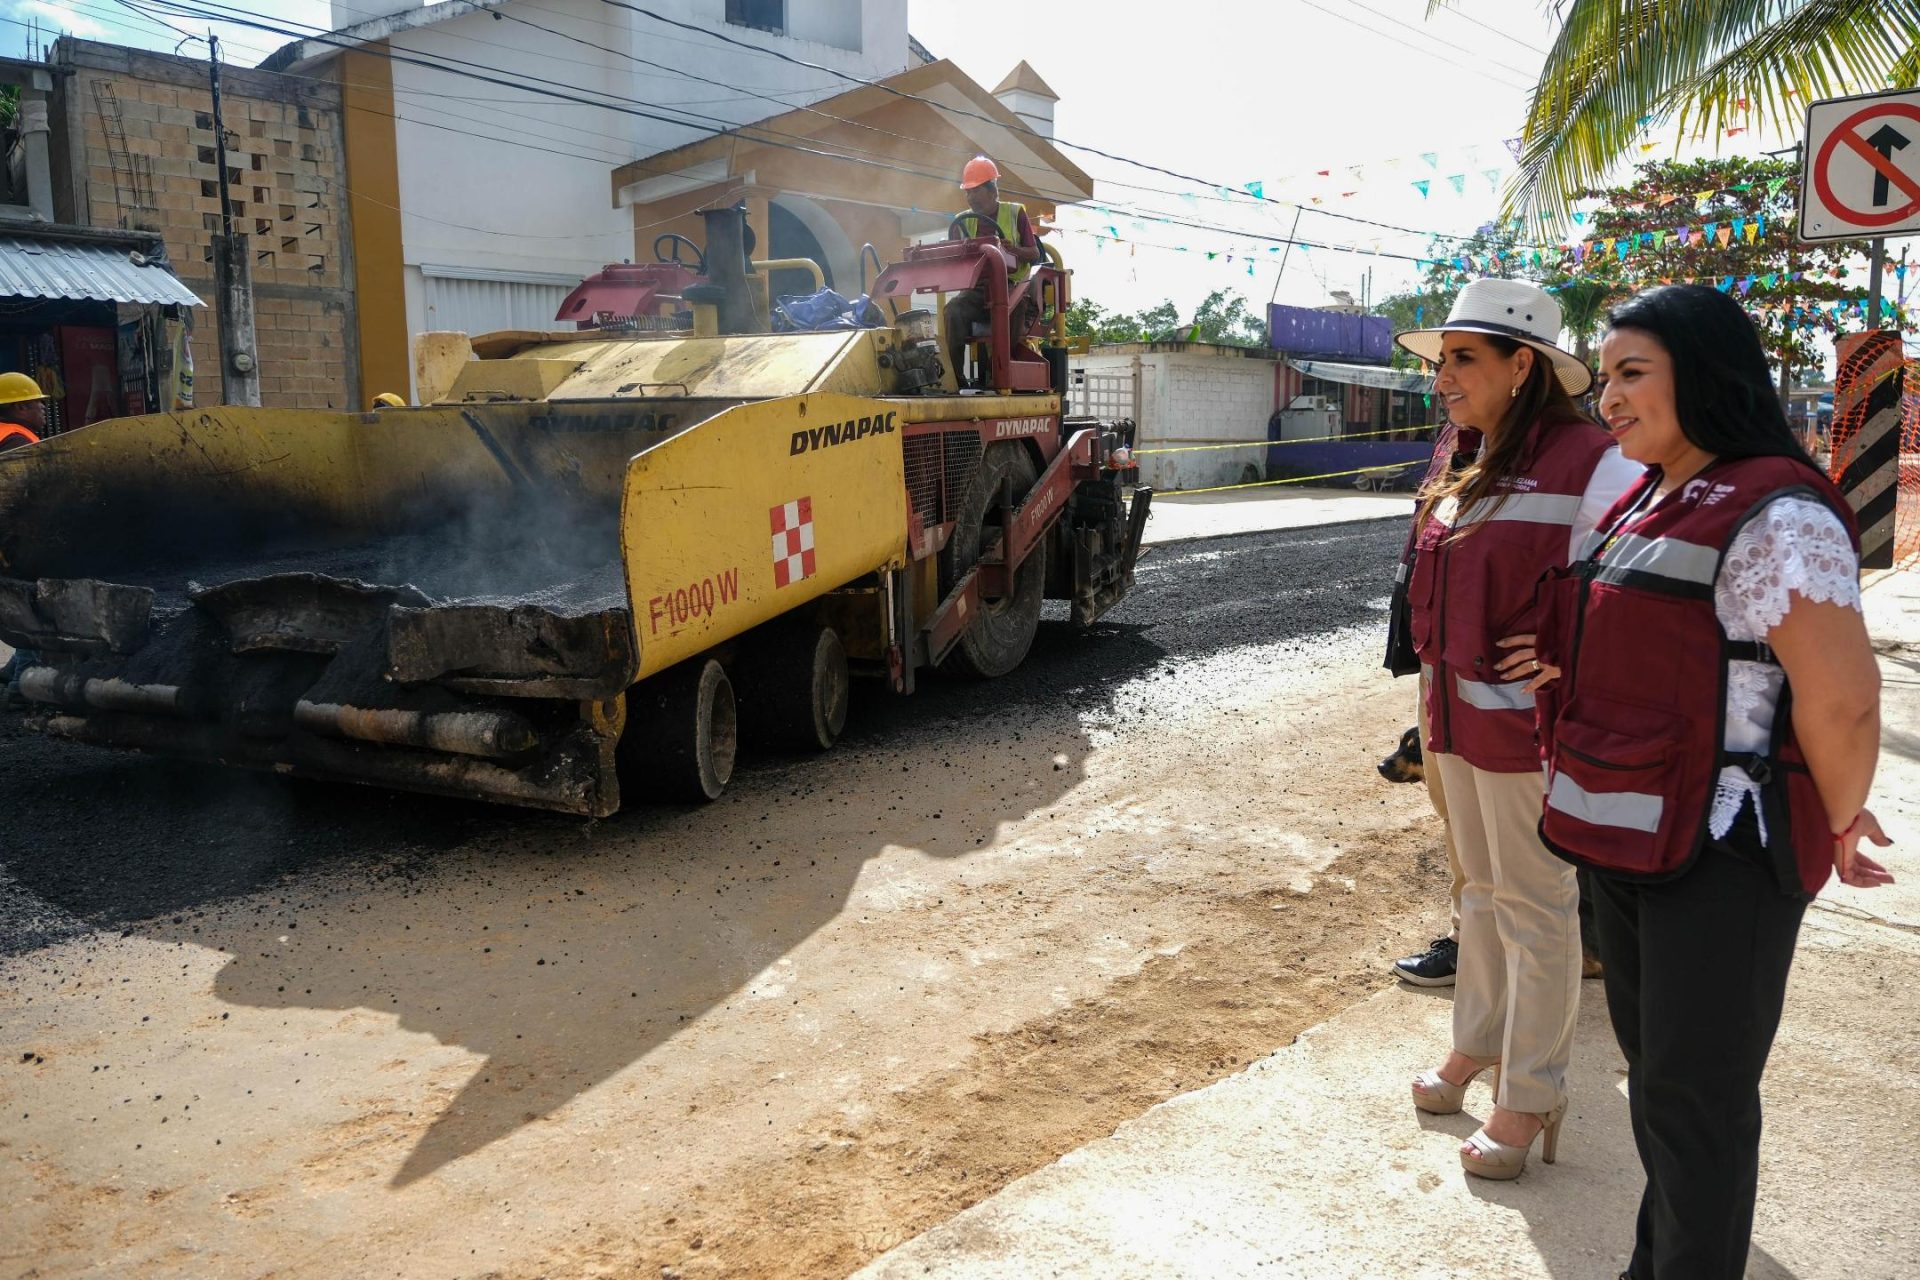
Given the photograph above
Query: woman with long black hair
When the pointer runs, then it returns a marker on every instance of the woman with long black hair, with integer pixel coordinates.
(1711, 709)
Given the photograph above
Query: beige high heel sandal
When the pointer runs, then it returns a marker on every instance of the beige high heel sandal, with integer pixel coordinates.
(1503, 1163)
(1436, 1095)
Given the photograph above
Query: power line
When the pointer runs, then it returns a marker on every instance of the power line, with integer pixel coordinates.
(1408, 44)
(1464, 16)
(539, 86)
(845, 151)
(1018, 129)
(1451, 44)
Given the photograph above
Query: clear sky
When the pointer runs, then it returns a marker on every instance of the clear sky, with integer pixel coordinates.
(1374, 92)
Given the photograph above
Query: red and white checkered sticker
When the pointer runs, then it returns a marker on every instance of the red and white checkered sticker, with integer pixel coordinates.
(792, 542)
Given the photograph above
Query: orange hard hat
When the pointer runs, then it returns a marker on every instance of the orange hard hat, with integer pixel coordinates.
(978, 173)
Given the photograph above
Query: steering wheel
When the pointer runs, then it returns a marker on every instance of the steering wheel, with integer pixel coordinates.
(674, 240)
(993, 228)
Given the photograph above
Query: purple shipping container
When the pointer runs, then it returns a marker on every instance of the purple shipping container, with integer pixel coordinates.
(1329, 335)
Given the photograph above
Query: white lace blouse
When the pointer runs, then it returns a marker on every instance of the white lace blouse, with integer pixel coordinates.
(1794, 546)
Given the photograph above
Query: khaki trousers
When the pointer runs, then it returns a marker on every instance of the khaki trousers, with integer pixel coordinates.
(1439, 797)
(1518, 986)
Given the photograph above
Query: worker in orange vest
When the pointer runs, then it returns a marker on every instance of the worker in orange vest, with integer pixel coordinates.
(23, 411)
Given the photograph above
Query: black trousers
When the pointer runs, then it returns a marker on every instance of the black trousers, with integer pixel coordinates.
(968, 308)
(1696, 976)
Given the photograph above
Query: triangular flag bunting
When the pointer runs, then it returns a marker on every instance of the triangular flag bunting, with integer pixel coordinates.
(1723, 235)
(1459, 181)
(1421, 186)
(1432, 158)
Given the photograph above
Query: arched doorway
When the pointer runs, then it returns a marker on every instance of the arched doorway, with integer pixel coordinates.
(799, 228)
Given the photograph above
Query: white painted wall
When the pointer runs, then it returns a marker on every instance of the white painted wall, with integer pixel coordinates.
(1190, 397)
(514, 185)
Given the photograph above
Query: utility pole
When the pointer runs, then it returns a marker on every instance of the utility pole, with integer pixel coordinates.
(232, 272)
(1876, 254)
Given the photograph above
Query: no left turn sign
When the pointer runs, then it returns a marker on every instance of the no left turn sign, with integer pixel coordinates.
(1861, 175)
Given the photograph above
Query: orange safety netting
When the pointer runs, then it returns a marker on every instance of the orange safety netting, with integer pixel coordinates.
(1868, 382)
(1906, 517)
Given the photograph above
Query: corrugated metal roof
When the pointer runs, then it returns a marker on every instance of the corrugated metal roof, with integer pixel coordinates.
(31, 267)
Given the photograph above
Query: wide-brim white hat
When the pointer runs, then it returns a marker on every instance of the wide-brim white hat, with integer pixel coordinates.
(1511, 309)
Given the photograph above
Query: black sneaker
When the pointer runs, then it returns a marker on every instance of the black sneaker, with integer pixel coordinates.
(1431, 968)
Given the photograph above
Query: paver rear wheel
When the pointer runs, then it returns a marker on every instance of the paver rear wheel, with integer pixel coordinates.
(682, 734)
(997, 638)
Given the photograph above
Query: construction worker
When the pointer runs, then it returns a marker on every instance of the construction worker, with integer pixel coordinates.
(995, 217)
(23, 411)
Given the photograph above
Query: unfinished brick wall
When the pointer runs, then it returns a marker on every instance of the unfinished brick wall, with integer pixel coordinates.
(147, 159)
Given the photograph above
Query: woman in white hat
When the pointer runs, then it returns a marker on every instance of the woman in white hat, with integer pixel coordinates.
(1488, 531)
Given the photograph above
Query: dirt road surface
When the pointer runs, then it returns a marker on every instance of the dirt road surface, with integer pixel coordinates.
(259, 1028)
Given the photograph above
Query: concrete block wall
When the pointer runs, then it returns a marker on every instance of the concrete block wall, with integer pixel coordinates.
(140, 153)
(1193, 394)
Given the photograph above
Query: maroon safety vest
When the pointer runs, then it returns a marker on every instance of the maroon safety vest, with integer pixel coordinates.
(1473, 587)
(1636, 722)
(1453, 447)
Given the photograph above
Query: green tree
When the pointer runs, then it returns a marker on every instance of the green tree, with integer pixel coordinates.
(1223, 318)
(1618, 66)
(1494, 250)
(1158, 323)
(1686, 222)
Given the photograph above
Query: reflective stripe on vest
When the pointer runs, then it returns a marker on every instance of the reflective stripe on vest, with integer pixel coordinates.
(1532, 508)
(1628, 810)
(1670, 558)
(1494, 697)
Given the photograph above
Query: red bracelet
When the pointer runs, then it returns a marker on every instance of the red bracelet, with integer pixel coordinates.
(1840, 837)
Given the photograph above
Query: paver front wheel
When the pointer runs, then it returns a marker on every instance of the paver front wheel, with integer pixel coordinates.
(682, 734)
(794, 688)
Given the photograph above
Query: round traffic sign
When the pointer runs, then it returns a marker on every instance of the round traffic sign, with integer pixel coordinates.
(1823, 161)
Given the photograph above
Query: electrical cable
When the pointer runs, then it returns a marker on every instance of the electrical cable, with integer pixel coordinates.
(1504, 66)
(852, 153)
(208, 9)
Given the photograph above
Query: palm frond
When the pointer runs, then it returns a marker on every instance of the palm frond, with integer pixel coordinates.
(1618, 63)
(1827, 48)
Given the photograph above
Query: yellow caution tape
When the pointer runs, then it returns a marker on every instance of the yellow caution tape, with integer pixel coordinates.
(1261, 484)
(1250, 444)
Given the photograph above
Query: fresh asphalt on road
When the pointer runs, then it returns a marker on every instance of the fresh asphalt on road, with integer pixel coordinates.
(98, 840)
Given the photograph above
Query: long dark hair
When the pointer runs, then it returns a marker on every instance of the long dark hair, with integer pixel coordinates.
(1723, 392)
(1542, 399)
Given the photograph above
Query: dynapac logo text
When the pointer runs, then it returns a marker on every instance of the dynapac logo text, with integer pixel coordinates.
(841, 432)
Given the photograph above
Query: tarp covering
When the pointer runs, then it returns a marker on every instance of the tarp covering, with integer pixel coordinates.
(32, 267)
(1365, 375)
(1307, 331)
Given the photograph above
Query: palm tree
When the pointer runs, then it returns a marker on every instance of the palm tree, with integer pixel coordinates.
(1618, 66)
(1583, 305)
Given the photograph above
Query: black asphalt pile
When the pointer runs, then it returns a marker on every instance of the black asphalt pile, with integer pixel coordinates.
(102, 841)
(570, 568)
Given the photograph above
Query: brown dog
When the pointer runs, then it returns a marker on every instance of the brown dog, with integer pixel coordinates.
(1406, 764)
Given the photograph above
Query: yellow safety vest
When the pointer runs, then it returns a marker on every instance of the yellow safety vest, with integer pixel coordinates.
(1008, 220)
